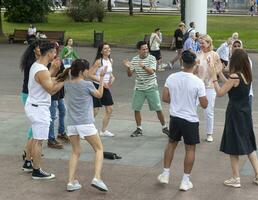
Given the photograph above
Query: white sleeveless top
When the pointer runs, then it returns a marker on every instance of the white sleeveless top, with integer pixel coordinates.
(37, 94)
(109, 70)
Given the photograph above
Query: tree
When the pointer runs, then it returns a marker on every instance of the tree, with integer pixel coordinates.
(130, 2)
(27, 11)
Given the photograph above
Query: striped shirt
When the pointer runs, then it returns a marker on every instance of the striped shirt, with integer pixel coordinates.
(144, 80)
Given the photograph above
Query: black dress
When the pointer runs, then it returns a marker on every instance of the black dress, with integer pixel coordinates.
(238, 135)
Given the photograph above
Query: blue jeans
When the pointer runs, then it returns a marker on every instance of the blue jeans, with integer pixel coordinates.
(61, 110)
(24, 97)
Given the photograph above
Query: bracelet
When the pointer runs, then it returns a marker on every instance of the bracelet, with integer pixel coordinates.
(215, 81)
(144, 67)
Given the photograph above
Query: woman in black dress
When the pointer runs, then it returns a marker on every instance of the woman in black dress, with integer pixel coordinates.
(238, 136)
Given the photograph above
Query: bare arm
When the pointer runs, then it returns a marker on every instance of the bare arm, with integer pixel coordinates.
(165, 95)
(127, 64)
(203, 102)
(148, 69)
(45, 80)
(99, 92)
(93, 69)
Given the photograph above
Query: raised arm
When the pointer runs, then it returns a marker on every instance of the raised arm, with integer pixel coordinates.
(128, 65)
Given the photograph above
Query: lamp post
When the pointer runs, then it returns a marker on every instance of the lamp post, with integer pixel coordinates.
(141, 10)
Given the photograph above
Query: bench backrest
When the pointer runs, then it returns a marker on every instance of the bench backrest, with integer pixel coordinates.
(20, 33)
(166, 40)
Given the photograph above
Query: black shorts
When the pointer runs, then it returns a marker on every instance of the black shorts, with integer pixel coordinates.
(156, 54)
(105, 100)
(179, 127)
(224, 62)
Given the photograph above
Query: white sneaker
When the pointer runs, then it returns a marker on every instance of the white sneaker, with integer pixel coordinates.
(73, 186)
(233, 182)
(209, 138)
(163, 65)
(170, 65)
(163, 178)
(106, 133)
(99, 184)
(184, 186)
(255, 180)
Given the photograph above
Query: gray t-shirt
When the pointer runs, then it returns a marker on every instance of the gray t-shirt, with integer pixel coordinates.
(79, 102)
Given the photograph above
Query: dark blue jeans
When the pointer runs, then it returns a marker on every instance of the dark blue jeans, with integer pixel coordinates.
(57, 104)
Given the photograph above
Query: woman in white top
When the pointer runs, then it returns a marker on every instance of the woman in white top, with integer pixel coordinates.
(103, 60)
(207, 58)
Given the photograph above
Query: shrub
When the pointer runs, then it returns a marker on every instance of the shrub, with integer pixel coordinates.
(86, 10)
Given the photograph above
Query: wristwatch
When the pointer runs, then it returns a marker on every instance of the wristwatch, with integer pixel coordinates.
(144, 67)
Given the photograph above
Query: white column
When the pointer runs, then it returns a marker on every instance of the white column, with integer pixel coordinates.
(196, 11)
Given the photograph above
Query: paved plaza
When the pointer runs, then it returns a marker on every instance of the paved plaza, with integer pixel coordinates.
(134, 177)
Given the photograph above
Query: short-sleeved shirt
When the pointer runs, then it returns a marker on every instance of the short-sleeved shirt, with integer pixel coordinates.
(79, 102)
(179, 34)
(37, 94)
(144, 80)
(185, 90)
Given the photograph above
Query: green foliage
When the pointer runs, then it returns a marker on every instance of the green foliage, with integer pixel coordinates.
(29, 11)
(86, 10)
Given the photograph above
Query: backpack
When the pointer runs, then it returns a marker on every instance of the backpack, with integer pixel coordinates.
(186, 35)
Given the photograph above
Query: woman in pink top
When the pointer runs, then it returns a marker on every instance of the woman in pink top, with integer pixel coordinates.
(207, 58)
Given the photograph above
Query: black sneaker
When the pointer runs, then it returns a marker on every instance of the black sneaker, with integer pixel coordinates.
(165, 130)
(38, 174)
(137, 133)
(27, 166)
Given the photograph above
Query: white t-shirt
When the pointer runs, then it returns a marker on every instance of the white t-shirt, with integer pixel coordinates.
(109, 70)
(32, 31)
(185, 90)
(37, 94)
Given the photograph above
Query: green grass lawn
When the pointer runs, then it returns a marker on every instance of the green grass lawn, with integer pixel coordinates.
(124, 29)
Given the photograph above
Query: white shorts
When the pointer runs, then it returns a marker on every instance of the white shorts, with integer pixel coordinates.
(83, 130)
(39, 117)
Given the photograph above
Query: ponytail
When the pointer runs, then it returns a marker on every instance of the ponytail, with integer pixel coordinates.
(63, 76)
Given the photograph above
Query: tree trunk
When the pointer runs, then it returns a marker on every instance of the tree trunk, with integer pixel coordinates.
(2, 36)
(130, 2)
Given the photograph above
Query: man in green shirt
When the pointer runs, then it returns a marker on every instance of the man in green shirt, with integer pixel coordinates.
(146, 86)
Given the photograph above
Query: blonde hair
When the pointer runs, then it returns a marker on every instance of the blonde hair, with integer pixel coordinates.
(208, 39)
(235, 36)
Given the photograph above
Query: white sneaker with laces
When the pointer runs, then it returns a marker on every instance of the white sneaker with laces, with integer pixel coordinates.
(163, 178)
(233, 182)
(209, 138)
(106, 133)
(99, 184)
(73, 186)
(184, 186)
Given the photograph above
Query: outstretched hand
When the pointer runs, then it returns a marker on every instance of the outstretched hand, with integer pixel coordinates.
(127, 63)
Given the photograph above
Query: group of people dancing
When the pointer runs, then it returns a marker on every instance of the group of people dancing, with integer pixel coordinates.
(87, 88)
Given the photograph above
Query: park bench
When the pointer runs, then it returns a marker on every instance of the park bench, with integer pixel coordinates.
(21, 35)
(166, 40)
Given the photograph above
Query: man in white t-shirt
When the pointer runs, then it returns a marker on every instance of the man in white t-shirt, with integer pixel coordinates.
(41, 87)
(184, 91)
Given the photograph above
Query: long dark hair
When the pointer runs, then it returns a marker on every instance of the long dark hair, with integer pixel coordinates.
(79, 65)
(66, 41)
(240, 63)
(28, 57)
(99, 55)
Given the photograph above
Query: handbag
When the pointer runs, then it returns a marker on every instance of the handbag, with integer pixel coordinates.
(111, 155)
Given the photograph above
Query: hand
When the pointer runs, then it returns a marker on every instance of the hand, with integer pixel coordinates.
(127, 63)
(111, 80)
(141, 64)
(55, 65)
(103, 72)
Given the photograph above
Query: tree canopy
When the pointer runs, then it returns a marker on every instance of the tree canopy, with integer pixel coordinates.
(27, 11)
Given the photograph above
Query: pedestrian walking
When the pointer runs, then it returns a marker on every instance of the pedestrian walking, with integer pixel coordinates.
(146, 86)
(68, 53)
(183, 90)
